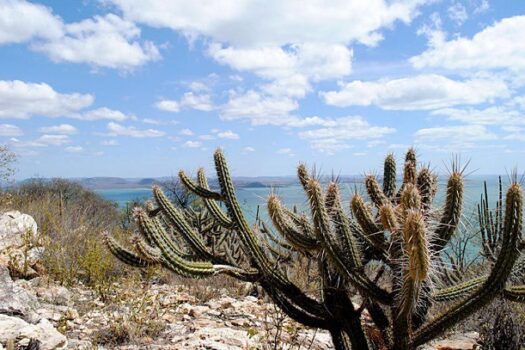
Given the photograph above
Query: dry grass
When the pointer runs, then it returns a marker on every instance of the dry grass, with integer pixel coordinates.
(70, 219)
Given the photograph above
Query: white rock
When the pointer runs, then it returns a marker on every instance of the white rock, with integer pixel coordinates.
(44, 332)
(14, 226)
(15, 300)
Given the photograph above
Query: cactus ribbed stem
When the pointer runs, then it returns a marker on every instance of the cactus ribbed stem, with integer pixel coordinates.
(389, 176)
(451, 211)
(495, 283)
(363, 215)
(204, 241)
(287, 228)
(374, 191)
(211, 205)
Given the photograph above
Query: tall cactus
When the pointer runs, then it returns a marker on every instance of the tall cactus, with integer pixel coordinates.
(400, 231)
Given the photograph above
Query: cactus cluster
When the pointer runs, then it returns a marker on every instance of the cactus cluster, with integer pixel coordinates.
(382, 255)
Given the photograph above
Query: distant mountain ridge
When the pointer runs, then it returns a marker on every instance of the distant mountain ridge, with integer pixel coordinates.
(102, 182)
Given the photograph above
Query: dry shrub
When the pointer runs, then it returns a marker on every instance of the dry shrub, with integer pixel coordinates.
(503, 327)
(70, 219)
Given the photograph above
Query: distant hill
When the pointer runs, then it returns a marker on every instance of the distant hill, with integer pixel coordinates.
(100, 183)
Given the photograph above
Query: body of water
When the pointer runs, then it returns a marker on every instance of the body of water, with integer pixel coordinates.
(250, 198)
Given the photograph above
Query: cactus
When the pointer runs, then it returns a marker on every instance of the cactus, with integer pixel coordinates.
(400, 233)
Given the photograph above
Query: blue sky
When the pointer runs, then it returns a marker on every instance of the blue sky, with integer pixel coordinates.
(144, 88)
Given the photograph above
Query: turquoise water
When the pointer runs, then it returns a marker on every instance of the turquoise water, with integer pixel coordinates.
(250, 198)
(121, 196)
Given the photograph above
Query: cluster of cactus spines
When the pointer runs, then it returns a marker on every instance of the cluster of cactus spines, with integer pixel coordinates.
(386, 251)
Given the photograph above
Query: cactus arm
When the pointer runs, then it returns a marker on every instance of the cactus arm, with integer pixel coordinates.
(149, 253)
(364, 218)
(246, 234)
(495, 283)
(173, 261)
(342, 229)
(462, 289)
(251, 247)
(170, 240)
(181, 225)
(302, 174)
(515, 293)
(285, 225)
(459, 290)
(200, 191)
(375, 192)
(322, 227)
(389, 176)
(415, 273)
(409, 170)
(272, 236)
(211, 205)
(426, 184)
(451, 211)
(123, 254)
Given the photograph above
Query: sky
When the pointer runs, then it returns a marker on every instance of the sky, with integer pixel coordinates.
(144, 88)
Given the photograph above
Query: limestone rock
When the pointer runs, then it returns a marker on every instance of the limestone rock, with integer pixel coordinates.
(458, 341)
(44, 332)
(15, 300)
(16, 229)
(19, 248)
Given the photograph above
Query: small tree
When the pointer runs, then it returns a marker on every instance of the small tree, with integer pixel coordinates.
(7, 159)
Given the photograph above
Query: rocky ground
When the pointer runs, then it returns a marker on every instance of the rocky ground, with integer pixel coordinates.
(136, 315)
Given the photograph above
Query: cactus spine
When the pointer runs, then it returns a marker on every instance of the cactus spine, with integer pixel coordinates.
(400, 231)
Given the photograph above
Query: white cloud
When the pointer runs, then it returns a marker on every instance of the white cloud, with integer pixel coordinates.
(494, 115)
(21, 21)
(259, 109)
(419, 92)
(457, 13)
(246, 23)
(192, 144)
(334, 134)
(296, 85)
(188, 100)
(198, 86)
(64, 129)
(498, 46)
(186, 132)
(104, 41)
(23, 100)
(290, 70)
(198, 102)
(460, 133)
(103, 113)
(290, 51)
(228, 134)
(168, 105)
(482, 6)
(52, 140)
(248, 149)
(120, 130)
(43, 141)
(10, 130)
(74, 149)
(109, 143)
(206, 137)
(151, 121)
(346, 128)
(317, 61)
